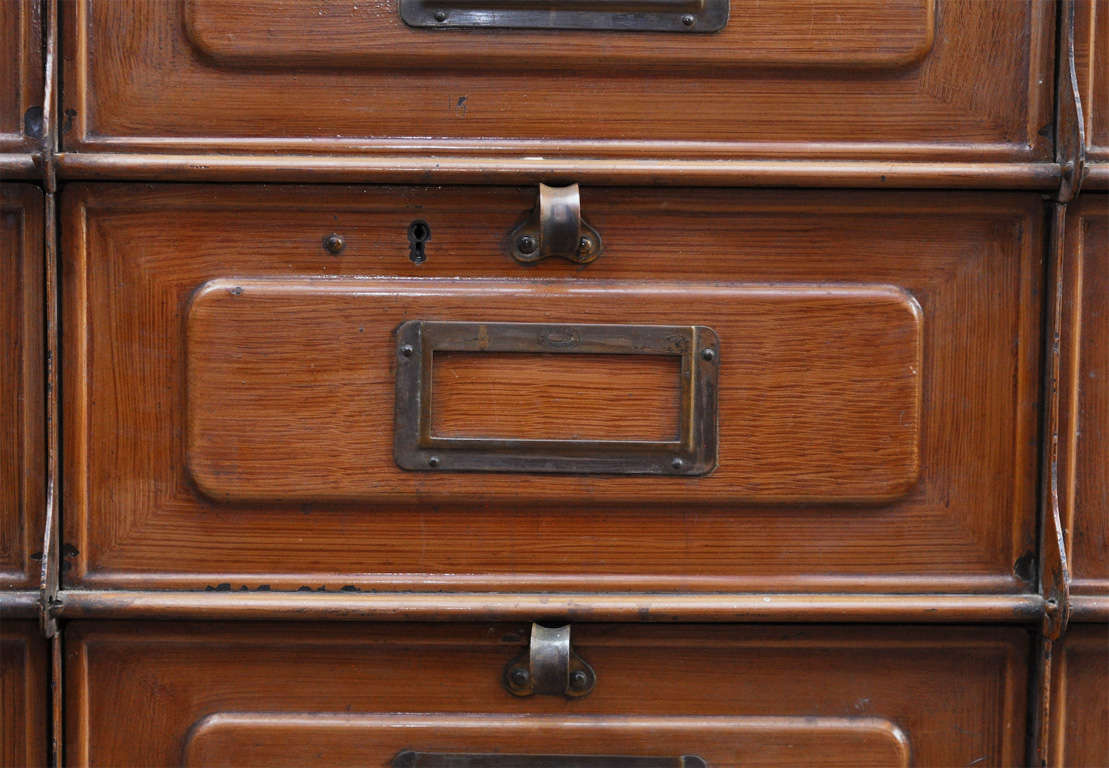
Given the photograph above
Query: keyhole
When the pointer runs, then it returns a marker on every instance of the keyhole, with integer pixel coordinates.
(418, 234)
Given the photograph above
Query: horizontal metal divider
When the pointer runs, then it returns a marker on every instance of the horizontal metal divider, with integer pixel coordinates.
(635, 607)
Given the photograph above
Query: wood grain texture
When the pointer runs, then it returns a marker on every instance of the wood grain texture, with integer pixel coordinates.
(276, 740)
(290, 387)
(1084, 412)
(980, 91)
(1080, 706)
(135, 255)
(22, 455)
(556, 397)
(955, 694)
(21, 73)
(24, 696)
(1091, 53)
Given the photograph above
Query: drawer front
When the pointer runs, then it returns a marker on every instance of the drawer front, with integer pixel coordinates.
(920, 79)
(1085, 443)
(1080, 708)
(751, 696)
(24, 694)
(22, 460)
(22, 74)
(241, 412)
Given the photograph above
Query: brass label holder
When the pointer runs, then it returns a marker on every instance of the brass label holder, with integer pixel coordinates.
(692, 453)
(686, 16)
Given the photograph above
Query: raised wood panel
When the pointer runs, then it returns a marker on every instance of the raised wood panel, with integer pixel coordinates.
(20, 72)
(257, 694)
(22, 429)
(1080, 708)
(135, 256)
(274, 740)
(1085, 413)
(916, 79)
(290, 383)
(1091, 40)
(24, 695)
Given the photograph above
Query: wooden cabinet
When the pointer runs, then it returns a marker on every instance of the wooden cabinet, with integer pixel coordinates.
(232, 386)
(21, 98)
(22, 454)
(256, 694)
(952, 80)
(24, 695)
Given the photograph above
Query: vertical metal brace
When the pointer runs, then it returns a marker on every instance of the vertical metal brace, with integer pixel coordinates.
(1070, 153)
(550, 667)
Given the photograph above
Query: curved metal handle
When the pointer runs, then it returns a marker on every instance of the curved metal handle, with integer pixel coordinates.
(555, 228)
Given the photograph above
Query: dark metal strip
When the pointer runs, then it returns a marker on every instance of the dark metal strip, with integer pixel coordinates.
(411, 759)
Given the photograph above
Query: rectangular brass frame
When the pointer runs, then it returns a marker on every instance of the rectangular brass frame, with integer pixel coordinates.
(410, 759)
(693, 453)
(602, 15)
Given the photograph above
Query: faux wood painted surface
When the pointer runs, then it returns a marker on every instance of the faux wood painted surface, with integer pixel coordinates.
(20, 71)
(967, 81)
(24, 696)
(291, 384)
(957, 695)
(268, 739)
(22, 476)
(1085, 413)
(135, 255)
(1081, 706)
(1091, 42)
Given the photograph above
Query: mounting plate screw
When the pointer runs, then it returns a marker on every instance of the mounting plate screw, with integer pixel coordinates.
(527, 244)
(433, 461)
(519, 677)
(677, 463)
(334, 243)
(440, 15)
(708, 354)
(407, 350)
(688, 20)
(579, 680)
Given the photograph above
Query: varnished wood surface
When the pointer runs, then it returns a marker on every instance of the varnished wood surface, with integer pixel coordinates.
(290, 385)
(1092, 65)
(134, 256)
(970, 81)
(952, 696)
(22, 470)
(24, 696)
(22, 75)
(1080, 710)
(1084, 433)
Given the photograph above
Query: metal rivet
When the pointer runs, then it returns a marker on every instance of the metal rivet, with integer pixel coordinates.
(334, 243)
(585, 245)
(677, 463)
(527, 244)
(433, 461)
(579, 680)
(440, 15)
(708, 354)
(407, 350)
(519, 677)
(688, 20)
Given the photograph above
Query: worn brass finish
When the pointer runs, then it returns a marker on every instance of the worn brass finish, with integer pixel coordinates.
(555, 228)
(692, 453)
(410, 759)
(606, 15)
(550, 667)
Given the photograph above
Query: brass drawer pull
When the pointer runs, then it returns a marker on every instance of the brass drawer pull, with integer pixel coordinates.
(555, 228)
(693, 452)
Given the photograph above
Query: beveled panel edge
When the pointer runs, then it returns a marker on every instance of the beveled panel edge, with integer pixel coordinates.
(503, 169)
(1090, 608)
(635, 607)
(19, 605)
